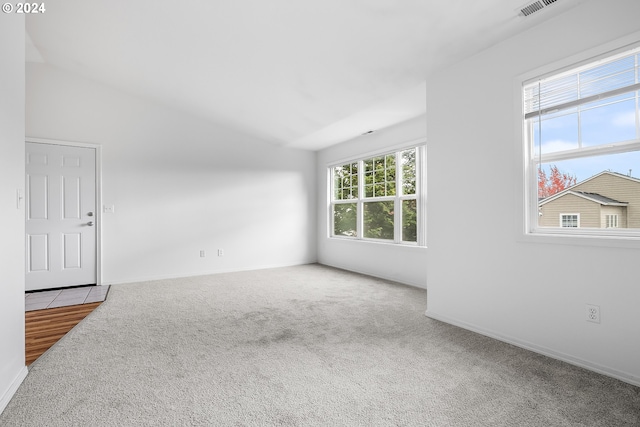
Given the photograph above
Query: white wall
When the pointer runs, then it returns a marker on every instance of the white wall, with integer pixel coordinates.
(482, 275)
(405, 264)
(12, 364)
(179, 184)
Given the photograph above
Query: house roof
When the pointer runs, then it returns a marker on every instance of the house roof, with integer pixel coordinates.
(593, 197)
(599, 198)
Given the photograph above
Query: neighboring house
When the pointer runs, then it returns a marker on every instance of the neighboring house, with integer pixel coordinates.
(606, 200)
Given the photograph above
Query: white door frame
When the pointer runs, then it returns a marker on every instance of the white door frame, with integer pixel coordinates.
(98, 210)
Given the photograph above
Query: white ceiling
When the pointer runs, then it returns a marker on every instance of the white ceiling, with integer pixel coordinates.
(297, 73)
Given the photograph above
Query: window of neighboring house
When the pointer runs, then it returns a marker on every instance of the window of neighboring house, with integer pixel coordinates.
(378, 197)
(570, 220)
(612, 221)
(579, 123)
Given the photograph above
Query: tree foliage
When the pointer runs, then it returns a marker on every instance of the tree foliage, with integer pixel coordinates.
(554, 182)
(379, 175)
(344, 219)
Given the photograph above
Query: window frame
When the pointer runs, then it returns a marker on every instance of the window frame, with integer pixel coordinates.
(563, 215)
(612, 220)
(527, 205)
(398, 198)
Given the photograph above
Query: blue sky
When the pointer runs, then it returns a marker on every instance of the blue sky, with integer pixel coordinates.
(602, 122)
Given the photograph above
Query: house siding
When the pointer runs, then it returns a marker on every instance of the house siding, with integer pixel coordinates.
(570, 204)
(617, 188)
(592, 213)
(613, 210)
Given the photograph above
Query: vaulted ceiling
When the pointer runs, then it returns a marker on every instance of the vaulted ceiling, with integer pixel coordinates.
(297, 73)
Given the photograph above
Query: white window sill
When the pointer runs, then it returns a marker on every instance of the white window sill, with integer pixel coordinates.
(591, 240)
(409, 246)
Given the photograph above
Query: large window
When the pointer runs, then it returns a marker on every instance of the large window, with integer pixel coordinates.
(378, 197)
(582, 135)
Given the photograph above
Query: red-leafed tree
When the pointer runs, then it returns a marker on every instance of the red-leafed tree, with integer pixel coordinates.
(556, 181)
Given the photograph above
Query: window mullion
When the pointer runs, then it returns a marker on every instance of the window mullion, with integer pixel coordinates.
(334, 201)
(360, 206)
(421, 194)
(638, 115)
(579, 113)
(637, 57)
(397, 210)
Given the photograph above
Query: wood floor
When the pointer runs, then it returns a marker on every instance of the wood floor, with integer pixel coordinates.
(43, 328)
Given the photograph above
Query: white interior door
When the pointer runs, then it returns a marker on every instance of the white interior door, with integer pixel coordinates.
(61, 216)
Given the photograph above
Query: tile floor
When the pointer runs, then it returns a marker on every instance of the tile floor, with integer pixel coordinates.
(39, 300)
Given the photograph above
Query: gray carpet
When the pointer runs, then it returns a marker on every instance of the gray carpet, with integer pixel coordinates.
(307, 345)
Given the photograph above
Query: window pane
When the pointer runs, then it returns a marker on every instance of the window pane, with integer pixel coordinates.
(609, 122)
(368, 190)
(345, 182)
(593, 187)
(378, 163)
(368, 165)
(391, 188)
(409, 221)
(609, 76)
(390, 175)
(594, 80)
(601, 122)
(570, 221)
(380, 176)
(369, 178)
(587, 167)
(408, 159)
(378, 220)
(344, 219)
(551, 92)
(557, 132)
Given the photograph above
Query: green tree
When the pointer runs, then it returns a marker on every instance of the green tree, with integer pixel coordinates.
(378, 220)
(344, 219)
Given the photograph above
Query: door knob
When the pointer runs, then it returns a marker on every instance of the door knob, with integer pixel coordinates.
(90, 223)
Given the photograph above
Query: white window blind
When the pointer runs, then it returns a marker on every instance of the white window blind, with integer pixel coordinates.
(605, 79)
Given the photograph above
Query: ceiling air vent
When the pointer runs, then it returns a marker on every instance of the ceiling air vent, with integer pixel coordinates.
(535, 6)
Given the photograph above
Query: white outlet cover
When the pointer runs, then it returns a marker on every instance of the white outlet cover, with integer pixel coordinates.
(593, 313)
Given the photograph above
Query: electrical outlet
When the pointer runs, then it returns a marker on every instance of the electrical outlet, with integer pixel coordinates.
(201, 254)
(593, 313)
(220, 252)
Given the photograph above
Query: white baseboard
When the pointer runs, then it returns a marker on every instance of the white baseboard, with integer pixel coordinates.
(138, 279)
(600, 369)
(8, 394)
(379, 276)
